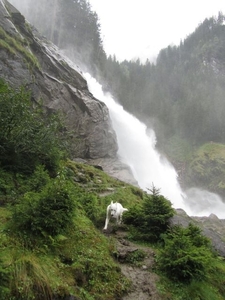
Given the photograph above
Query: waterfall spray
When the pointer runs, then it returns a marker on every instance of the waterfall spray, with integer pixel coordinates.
(137, 149)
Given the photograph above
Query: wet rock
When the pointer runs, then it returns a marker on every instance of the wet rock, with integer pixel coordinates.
(115, 168)
(54, 81)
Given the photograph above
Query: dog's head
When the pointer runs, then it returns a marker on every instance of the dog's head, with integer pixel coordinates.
(113, 209)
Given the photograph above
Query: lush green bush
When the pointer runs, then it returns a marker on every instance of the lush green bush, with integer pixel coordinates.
(14, 185)
(28, 136)
(89, 203)
(4, 279)
(6, 186)
(47, 212)
(186, 254)
(38, 179)
(150, 218)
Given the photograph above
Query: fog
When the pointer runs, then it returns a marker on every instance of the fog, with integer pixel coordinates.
(137, 143)
(132, 30)
(141, 29)
(137, 148)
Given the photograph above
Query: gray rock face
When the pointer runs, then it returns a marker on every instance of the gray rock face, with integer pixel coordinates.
(115, 168)
(55, 82)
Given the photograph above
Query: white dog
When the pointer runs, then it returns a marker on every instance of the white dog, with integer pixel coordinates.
(114, 210)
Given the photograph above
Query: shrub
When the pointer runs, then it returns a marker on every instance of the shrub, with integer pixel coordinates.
(56, 208)
(89, 203)
(150, 218)
(6, 186)
(157, 213)
(135, 257)
(38, 179)
(186, 254)
(27, 133)
(47, 212)
(4, 279)
(134, 216)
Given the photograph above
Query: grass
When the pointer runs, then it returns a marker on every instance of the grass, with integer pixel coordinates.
(207, 167)
(80, 260)
(16, 44)
(211, 289)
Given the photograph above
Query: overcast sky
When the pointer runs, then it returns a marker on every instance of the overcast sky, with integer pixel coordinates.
(141, 28)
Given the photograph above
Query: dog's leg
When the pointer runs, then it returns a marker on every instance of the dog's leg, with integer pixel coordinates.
(120, 218)
(121, 215)
(107, 218)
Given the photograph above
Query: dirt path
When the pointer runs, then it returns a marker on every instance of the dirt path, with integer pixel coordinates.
(142, 277)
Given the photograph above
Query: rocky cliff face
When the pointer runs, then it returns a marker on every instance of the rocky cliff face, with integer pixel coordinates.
(28, 59)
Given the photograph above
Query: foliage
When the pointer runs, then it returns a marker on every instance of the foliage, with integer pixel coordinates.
(27, 133)
(135, 257)
(186, 254)
(47, 212)
(90, 206)
(175, 95)
(68, 263)
(195, 290)
(180, 94)
(151, 217)
(30, 277)
(206, 168)
(64, 265)
(14, 45)
(39, 179)
(71, 23)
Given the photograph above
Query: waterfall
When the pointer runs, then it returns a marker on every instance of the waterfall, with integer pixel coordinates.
(137, 149)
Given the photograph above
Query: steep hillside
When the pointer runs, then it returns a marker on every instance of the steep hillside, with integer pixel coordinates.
(206, 169)
(53, 209)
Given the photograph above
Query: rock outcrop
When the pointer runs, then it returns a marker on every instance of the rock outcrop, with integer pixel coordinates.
(29, 59)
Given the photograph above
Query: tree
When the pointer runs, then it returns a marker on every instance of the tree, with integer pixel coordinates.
(27, 133)
(186, 254)
(73, 27)
(151, 218)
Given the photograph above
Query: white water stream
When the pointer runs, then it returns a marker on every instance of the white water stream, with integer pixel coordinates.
(136, 145)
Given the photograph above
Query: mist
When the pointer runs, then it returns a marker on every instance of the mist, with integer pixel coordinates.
(137, 149)
(137, 143)
(204, 203)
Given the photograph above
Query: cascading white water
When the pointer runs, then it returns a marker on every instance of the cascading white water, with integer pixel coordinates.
(137, 149)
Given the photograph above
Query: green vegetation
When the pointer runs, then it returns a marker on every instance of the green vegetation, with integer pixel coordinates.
(49, 246)
(27, 133)
(206, 168)
(180, 95)
(79, 29)
(16, 44)
(186, 254)
(136, 257)
(150, 218)
(53, 210)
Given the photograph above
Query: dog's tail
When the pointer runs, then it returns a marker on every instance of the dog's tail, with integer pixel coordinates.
(125, 209)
